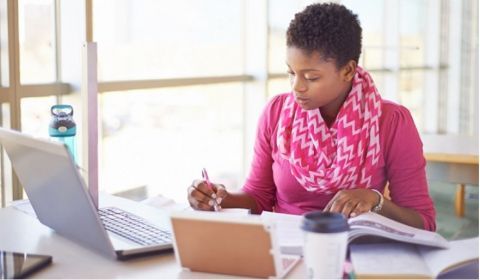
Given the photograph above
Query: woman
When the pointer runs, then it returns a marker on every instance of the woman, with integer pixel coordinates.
(332, 143)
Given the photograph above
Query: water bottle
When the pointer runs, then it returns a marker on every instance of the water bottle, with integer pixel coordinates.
(62, 127)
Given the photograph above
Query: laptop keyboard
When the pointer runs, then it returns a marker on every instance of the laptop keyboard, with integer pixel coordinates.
(133, 227)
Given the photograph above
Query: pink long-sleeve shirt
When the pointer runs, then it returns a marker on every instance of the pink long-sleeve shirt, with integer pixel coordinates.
(401, 164)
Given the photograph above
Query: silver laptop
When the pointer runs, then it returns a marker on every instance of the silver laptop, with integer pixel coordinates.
(62, 202)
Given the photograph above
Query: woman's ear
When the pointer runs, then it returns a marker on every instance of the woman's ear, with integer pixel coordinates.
(348, 71)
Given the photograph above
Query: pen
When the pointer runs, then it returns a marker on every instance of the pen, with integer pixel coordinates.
(209, 184)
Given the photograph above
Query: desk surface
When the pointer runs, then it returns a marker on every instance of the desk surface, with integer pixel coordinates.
(23, 233)
(450, 148)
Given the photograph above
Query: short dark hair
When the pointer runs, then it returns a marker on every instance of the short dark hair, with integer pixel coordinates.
(328, 28)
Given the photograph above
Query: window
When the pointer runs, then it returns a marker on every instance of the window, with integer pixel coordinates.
(145, 39)
(371, 17)
(6, 174)
(208, 84)
(36, 115)
(4, 75)
(162, 138)
(37, 41)
(279, 15)
(396, 60)
(278, 86)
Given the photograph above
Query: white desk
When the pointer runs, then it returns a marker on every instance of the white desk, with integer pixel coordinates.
(453, 159)
(23, 233)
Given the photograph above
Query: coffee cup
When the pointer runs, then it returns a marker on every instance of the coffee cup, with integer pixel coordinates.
(325, 244)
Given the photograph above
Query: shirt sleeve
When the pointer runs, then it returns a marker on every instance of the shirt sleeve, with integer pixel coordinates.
(259, 183)
(405, 166)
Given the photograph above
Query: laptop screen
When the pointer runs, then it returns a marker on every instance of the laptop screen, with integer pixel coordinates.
(55, 189)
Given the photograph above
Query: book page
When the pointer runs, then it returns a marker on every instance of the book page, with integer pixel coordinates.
(374, 224)
(290, 236)
(235, 211)
(460, 251)
(387, 260)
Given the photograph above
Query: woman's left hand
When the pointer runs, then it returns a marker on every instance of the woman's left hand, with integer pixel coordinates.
(352, 202)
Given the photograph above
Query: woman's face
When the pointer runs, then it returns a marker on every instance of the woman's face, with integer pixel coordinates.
(316, 82)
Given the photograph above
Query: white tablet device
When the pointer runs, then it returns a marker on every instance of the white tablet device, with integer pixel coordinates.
(218, 243)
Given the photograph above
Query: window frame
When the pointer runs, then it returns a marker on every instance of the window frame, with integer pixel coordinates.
(256, 34)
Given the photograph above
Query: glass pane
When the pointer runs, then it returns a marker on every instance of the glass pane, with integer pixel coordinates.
(5, 115)
(146, 39)
(370, 14)
(4, 74)
(162, 138)
(277, 86)
(37, 41)
(411, 93)
(371, 17)
(5, 166)
(379, 80)
(36, 115)
(280, 13)
(412, 32)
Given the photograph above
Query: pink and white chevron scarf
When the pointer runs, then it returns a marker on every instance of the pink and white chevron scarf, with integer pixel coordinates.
(325, 160)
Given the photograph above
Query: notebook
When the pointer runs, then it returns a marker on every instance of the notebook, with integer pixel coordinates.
(61, 201)
(221, 243)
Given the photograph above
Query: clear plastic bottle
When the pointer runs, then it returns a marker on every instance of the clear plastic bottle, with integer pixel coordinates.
(63, 128)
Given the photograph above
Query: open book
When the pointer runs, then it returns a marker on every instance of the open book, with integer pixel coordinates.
(397, 260)
(290, 237)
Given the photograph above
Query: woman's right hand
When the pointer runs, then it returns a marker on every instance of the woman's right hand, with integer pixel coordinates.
(201, 197)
